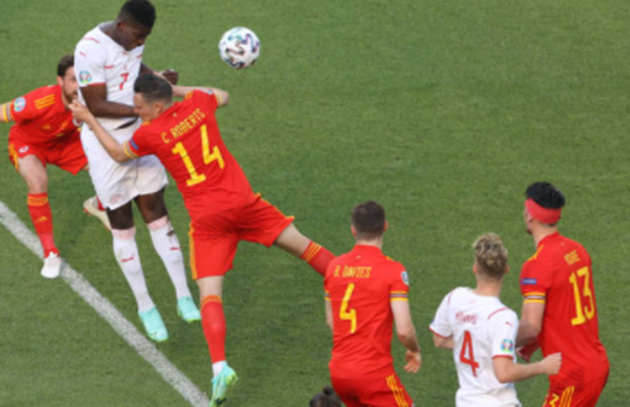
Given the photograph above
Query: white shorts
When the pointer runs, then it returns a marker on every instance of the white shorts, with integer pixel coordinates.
(118, 183)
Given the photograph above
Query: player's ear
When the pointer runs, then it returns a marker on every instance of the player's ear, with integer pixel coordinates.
(474, 268)
(386, 226)
(59, 81)
(354, 231)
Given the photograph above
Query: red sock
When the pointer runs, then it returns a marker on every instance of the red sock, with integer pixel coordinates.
(317, 257)
(213, 321)
(41, 216)
(99, 204)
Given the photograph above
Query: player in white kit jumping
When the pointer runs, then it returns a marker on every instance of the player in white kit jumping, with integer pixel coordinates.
(481, 331)
(108, 60)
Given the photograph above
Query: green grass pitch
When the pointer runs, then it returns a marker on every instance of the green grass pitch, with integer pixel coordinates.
(442, 111)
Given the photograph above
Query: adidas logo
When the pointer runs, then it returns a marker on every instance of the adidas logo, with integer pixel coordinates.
(42, 219)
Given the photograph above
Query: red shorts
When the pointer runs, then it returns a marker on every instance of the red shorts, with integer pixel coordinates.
(66, 153)
(214, 236)
(585, 395)
(372, 392)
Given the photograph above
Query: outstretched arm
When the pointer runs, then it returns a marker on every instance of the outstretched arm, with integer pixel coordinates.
(223, 98)
(115, 150)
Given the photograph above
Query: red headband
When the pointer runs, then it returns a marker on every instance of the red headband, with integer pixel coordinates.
(545, 215)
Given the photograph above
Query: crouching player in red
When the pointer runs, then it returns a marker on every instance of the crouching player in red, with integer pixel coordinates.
(222, 207)
(45, 133)
(366, 293)
(559, 309)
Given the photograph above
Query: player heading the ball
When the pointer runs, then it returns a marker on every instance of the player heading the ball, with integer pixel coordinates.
(223, 209)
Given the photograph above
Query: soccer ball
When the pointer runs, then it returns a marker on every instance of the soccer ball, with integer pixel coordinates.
(239, 47)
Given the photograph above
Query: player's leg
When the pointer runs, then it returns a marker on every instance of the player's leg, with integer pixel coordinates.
(224, 377)
(128, 258)
(212, 250)
(263, 223)
(166, 244)
(295, 243)
(33, 172)
(114, 185)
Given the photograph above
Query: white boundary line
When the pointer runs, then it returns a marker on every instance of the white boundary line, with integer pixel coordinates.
(105, 309)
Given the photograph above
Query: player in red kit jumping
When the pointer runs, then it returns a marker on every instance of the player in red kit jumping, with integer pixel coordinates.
(559, 310)
(222, 206)
(45, 133)
(366, 292)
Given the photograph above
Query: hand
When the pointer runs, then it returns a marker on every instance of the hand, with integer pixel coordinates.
(171, 76)
(552, 363)
(80, 111)
(414, 361)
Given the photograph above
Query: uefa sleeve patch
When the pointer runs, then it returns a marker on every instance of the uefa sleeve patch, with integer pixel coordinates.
(405, 277)
(133, 144)
(85, 77)
(507, 346)
(19, 104)
(529, 281)
(209, 92)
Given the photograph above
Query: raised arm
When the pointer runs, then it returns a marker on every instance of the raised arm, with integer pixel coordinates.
(406, 332)
(115, 150)
(223, 98)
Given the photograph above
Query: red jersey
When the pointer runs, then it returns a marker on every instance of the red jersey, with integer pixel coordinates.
(360, 286)
(187, 141)
(559, 275)
(40, 117)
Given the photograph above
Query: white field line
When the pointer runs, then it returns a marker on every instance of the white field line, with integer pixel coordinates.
(105, 309)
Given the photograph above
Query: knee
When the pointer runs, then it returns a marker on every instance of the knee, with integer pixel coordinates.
(37, 185)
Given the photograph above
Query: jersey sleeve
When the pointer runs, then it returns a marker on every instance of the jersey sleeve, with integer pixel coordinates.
(138, 145)
(399, 284)
(534, 282)
(503, 330)
(209, 99)
(89, 63)
(440, 325)
(30, 106)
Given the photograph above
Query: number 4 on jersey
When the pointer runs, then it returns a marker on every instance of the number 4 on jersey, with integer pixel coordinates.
(467, 355)
(195, 177)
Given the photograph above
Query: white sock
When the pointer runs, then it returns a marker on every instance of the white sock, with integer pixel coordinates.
(167, 246)
(128, 258)
(217, 367)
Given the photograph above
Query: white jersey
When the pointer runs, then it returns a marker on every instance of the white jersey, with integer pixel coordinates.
(483, 329)
(99, 60)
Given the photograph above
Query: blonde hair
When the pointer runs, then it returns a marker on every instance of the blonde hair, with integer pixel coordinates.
(491, 256)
